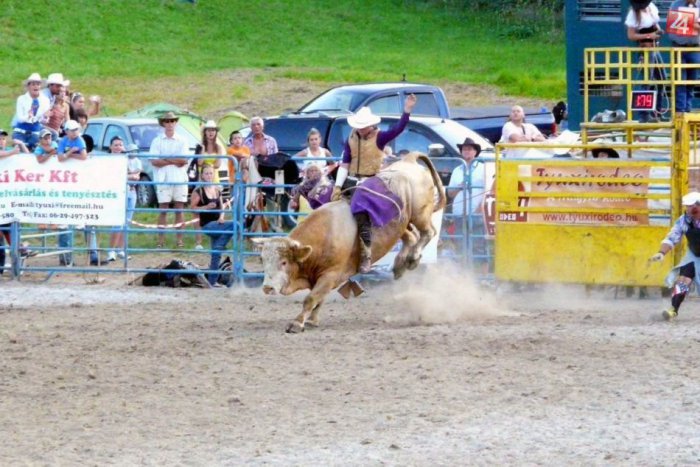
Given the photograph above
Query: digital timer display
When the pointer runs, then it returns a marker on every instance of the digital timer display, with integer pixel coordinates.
(644, 100)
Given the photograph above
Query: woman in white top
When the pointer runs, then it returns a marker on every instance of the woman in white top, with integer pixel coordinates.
(314, 149)
(642, 24)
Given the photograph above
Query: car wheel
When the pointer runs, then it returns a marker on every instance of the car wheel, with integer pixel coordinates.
(145, 194)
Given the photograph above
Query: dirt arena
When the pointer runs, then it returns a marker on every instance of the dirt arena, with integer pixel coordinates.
(425, 371)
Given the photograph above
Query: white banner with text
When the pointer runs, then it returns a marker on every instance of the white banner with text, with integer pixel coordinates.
(73, 192)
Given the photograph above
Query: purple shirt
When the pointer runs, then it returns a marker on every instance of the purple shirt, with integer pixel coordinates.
(383, 137)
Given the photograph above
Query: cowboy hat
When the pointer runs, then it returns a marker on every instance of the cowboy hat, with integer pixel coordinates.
(167, 116)
(612, 154)
(363, 118)
(55, 78)
(472, 143)
(33, 78)
(639, 4)
(211, 124)
(691, 198)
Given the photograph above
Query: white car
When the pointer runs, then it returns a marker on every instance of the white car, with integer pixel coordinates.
(140, 131)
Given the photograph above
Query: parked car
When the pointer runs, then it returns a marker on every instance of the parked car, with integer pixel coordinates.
(437, 137)
(388, 99)
(140, 131)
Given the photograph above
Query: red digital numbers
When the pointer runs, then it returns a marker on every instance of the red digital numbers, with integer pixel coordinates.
(643, 100)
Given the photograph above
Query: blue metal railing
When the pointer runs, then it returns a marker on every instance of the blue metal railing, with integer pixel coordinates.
(33, 247)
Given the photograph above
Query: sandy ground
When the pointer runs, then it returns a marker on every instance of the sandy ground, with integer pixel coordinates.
(425, 371)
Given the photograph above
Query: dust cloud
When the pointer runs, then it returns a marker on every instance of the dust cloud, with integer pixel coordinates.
(444, 293)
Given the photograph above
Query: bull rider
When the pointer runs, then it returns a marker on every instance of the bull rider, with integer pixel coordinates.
(362, 158)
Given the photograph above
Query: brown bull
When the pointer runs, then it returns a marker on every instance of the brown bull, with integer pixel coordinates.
(323, 252)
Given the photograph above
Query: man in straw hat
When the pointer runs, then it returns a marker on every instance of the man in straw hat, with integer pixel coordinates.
(685, 272)
(32, 107)
(172, 171)
(362, 158)
(466, 189)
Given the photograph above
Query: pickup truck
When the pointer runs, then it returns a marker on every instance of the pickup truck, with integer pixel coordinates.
(388, 98)
(437, 137)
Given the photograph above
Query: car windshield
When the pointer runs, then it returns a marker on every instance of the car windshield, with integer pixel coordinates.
(454, 133)
(336, 99)
(143, 135)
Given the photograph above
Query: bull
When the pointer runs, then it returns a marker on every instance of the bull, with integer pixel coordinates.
(323, 252)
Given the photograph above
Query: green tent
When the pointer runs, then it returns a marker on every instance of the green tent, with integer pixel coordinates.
(232, 121)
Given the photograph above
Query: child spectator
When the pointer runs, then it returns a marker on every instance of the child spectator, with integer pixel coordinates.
(241, 153)
(47, 147)
(133, 173)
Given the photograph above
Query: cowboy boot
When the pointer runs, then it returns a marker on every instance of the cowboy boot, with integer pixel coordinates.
(364, 231)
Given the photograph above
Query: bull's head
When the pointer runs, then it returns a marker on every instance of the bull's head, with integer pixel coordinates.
(281, 259)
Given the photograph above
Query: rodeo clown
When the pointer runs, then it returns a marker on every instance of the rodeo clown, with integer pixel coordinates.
(684, 274)
(362, 158)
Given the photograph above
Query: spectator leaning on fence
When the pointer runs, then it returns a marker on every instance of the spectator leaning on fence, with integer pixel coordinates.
(467, 189)
(170, 174)
(133, 174)
(31, 110)
(208, 198)
(47, 147)
(72, 146)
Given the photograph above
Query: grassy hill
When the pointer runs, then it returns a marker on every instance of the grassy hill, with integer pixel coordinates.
(139, 52)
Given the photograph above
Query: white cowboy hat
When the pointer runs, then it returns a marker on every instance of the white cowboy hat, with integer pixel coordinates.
(55, 78)
(34, 77)
(691, 198)
(210, 124)
(363, 118)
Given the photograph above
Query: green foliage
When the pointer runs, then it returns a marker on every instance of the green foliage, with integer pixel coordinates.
(139, 52)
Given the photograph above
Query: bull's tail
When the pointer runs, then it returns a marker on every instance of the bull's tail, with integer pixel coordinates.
(442, 200)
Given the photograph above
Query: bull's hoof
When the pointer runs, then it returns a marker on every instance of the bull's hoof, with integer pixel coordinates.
(398, 273)
(294, 327)
(312, 323)
(412, 263)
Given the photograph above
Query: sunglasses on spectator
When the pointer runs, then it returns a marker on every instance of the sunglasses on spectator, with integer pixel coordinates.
(169, 120)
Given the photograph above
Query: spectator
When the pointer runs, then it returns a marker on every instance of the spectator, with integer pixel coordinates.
(368, 140)
(685, 272)
(72, 146)
(258, 142)
(314, 149)
(210, 146)
(47, 147)
(208, 198)
(239, 152)
(468, 185)
(516, 130)
(77, 102)
(7, 151)
(170, 174)
(315, 187)
(605, 153)
(561, 117)
(56, 118)
(31, 111)
(133, 174)
(642, 24)
(54, 85)
(684, 93)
